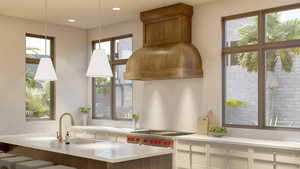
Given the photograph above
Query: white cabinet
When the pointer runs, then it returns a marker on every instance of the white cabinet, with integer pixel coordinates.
(206, 155)
(100, 135)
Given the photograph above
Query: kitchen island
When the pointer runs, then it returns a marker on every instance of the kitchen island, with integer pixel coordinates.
(87, 154)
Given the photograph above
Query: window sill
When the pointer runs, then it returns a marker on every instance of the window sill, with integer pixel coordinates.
(36, 119)
(261, 128)
(111, 119)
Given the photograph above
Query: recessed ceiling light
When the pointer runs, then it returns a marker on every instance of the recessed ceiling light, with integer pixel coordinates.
(71, 20)
(116, 9)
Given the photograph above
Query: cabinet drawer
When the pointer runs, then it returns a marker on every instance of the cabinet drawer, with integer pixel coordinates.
(198, 160)
(199, 148)
(183, 146)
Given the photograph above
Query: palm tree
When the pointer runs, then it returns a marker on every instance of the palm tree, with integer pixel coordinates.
(37, 93)
(276, 31)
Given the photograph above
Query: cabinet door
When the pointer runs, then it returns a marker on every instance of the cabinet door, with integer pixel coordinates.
(275, 158)
(237, 157)
(198, 160)
(183, 159)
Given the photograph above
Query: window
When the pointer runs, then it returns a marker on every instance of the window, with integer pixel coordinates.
(261, 68)
(39, 94)
(112, 97)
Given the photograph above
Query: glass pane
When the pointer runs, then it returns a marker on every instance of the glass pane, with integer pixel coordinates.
(282, 26)
(241, 107)
(241, 31)
(123, 94)
(102, 97)
(283, 87)
(123, 48)
(105, 46)
(38, 95)
(35, 47)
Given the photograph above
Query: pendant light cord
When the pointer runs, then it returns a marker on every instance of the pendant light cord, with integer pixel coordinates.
(46, 25)
(99, 26)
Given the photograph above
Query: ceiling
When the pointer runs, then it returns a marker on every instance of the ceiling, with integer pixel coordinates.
(86, 12)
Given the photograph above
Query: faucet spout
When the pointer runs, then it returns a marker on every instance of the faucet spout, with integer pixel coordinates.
(59, 133)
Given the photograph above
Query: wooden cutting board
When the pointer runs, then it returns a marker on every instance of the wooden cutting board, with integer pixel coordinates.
(202, 126)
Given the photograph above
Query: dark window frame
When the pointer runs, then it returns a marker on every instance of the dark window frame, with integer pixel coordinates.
(52, 83)
(113, 63)
(260, 47)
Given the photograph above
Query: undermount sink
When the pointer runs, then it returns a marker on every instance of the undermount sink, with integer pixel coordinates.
(82, 141)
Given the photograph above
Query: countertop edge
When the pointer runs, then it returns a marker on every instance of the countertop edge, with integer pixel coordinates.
(284, 145)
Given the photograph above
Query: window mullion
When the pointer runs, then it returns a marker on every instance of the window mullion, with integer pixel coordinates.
(261, 71)
(113, 83)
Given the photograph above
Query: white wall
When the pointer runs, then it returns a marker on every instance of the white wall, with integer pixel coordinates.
(176, 104)
(71, 64)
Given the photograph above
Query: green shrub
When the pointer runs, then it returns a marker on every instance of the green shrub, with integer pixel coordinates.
(235, 102)
(84, 109)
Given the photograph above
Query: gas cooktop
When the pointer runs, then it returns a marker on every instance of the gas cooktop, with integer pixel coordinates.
(161, 138)
(162, 132)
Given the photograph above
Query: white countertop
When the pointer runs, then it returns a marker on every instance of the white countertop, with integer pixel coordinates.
(102, 129)
(285, 145)
(106, 151)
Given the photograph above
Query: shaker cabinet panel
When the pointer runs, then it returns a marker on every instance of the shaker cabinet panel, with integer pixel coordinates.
(218, 162)
(183, 146)
(198, 160)
(287, 166)
(238, 163)
(183, 159)
(263, 164)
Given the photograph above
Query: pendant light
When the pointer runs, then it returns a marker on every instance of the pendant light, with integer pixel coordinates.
(99, 65)
(45, 70)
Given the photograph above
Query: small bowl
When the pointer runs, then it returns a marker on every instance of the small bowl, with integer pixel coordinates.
(218, 134)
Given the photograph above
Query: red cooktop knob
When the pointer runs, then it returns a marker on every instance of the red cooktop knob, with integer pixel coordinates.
(167, 143)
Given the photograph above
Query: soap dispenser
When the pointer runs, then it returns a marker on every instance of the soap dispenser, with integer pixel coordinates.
(67, 138)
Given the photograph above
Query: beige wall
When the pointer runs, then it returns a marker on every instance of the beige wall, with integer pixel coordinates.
(176, 104)
(71, 64)
(130, 27)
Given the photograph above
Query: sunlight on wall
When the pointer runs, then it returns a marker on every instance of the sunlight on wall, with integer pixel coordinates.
(171, 104)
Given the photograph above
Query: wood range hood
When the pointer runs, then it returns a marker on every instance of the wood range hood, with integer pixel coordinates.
(167, 51)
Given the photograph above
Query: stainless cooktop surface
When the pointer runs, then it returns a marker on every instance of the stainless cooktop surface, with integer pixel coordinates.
(162, 132)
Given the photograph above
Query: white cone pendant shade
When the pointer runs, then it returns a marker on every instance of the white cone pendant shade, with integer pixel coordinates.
(45, 70)
(99, 65)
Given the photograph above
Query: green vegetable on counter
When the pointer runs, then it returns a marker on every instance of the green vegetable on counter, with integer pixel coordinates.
(217, 130)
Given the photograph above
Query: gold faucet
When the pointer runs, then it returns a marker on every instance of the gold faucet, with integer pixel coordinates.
(59, 133)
